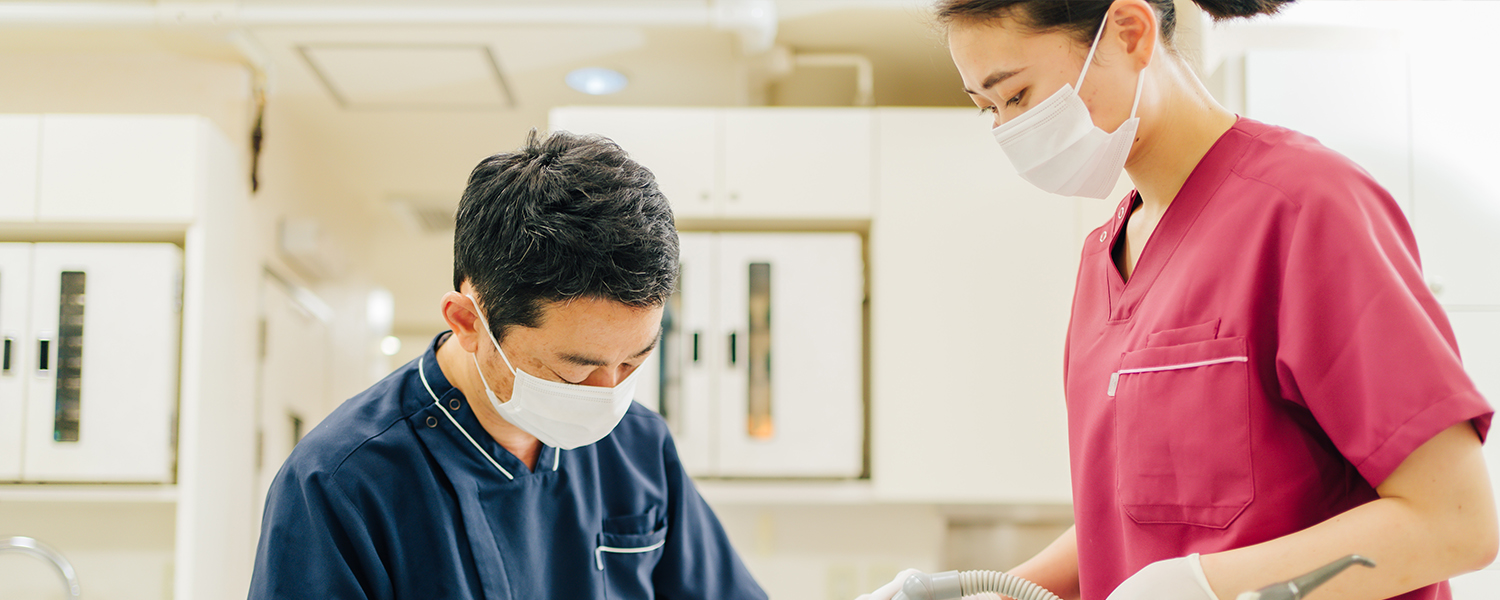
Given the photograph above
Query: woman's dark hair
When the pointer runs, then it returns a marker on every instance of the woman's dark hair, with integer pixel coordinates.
(1082, 18)
(566, 216)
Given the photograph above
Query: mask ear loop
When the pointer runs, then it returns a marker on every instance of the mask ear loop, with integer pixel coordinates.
(491, 333)
(1140, 81)
(1090, 60)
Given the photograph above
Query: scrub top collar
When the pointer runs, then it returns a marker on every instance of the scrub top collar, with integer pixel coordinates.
(446, 408)
(1207, 176)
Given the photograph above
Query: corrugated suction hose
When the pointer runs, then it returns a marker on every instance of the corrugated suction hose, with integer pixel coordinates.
(951, 585)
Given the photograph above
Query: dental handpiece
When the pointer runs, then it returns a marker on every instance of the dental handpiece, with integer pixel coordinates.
(1298, 588)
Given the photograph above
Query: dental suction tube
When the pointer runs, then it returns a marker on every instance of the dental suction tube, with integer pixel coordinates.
(950, 585)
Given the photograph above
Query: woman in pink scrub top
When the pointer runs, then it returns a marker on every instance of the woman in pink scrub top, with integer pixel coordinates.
(1258, 381)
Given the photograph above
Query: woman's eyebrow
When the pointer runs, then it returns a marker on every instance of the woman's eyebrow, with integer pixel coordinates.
(995, 78)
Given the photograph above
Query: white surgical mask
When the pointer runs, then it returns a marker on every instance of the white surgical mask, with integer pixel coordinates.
(561, 415)
(1056, 146)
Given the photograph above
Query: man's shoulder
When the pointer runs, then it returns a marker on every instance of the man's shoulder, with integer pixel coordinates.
(372, 419)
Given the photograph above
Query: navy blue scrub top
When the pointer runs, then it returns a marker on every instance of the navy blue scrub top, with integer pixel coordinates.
(395, 495)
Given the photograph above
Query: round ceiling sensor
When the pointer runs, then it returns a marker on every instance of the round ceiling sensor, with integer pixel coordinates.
(596, 81)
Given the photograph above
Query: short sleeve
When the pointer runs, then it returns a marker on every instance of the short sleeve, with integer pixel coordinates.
(1362, 343)
(699, 561)
(311, 545)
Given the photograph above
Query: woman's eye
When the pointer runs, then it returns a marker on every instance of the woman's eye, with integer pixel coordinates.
(1015, 100)
(988, 109)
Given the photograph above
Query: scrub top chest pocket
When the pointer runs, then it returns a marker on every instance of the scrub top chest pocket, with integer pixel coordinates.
(1182, 422)
(627, 552)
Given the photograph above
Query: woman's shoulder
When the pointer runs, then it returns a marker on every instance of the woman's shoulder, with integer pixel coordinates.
(1305, 172)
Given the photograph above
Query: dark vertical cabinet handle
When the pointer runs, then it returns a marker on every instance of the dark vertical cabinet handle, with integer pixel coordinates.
(5, 360)
(43, 355)
(734, 348)
(695, 346)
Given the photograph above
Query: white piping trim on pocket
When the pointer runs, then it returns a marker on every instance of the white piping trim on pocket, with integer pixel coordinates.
(599, 552)
(1114, 378)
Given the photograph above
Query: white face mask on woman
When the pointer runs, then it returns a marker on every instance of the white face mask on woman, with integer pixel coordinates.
(1056, 146)
(561, 415)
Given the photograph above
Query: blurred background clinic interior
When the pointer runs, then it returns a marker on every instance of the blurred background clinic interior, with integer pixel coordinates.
(257, 199)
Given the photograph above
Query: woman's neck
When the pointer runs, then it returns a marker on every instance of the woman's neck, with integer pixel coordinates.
(1181, 126)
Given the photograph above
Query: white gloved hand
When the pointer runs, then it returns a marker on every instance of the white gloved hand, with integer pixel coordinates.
(1171, 579)
(888, 591)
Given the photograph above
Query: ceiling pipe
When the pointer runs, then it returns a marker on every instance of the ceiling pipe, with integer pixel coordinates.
(754, 20)
(781, 60)
(864, 71)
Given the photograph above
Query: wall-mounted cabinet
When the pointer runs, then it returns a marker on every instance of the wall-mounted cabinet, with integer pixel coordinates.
(88, 376)
(803, 163)
(100, 168)
(760, 366)
(132, 356)
(20, 143)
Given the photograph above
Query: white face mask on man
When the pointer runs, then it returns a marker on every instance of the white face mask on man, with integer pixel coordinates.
(1056, 146)
(561, 415)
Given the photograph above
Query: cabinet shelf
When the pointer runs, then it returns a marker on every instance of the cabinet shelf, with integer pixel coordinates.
(728, 492)
(94, 493)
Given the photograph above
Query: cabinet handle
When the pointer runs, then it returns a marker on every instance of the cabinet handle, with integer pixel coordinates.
(695, 346)
(5, 361)
(734, 347)
(43, 354)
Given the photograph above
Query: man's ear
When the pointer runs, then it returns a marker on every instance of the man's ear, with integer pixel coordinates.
(459, 313)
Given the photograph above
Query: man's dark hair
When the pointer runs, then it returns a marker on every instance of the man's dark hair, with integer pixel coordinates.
(566, 216)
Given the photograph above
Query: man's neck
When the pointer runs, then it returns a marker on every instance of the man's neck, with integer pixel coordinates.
(457, 365)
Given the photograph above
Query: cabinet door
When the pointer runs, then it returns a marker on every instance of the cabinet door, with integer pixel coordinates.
(676, 144)
(791, 389)
(20, 136)
(15, 287)
(105, 328)
(691, 407)
(1456, 194)
(798, 163)
(114, 168)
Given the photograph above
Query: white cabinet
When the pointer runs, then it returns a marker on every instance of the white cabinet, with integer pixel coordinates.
(94, 360)
(15, 288)
(678, 145)
(797, 163)
(761, 361)
(765, 163)
(120, 168)
(972, 273)
(20, 137)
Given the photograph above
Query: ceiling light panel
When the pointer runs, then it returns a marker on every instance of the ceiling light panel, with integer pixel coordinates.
(410, 77)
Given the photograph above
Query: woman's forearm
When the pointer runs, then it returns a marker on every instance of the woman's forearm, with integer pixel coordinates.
(1055, 567)
(1435, 519)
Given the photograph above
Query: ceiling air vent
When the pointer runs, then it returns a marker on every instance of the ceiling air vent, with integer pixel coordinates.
(410, 76)
(424, 217)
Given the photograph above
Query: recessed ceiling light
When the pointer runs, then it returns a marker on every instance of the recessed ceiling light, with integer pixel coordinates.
(596, 81)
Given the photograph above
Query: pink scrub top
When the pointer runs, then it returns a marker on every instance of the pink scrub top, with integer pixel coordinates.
(1273, 358)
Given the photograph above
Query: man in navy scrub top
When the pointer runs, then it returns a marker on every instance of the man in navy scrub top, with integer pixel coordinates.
(509, 461)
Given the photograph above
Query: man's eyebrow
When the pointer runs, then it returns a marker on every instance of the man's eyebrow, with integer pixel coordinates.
(589, 361)
(995, 78)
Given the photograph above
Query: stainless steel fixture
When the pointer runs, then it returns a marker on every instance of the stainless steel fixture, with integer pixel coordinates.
(26, 545)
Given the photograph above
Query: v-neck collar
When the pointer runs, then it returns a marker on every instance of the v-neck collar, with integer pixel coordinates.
(454, 417)
(1187, 206)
